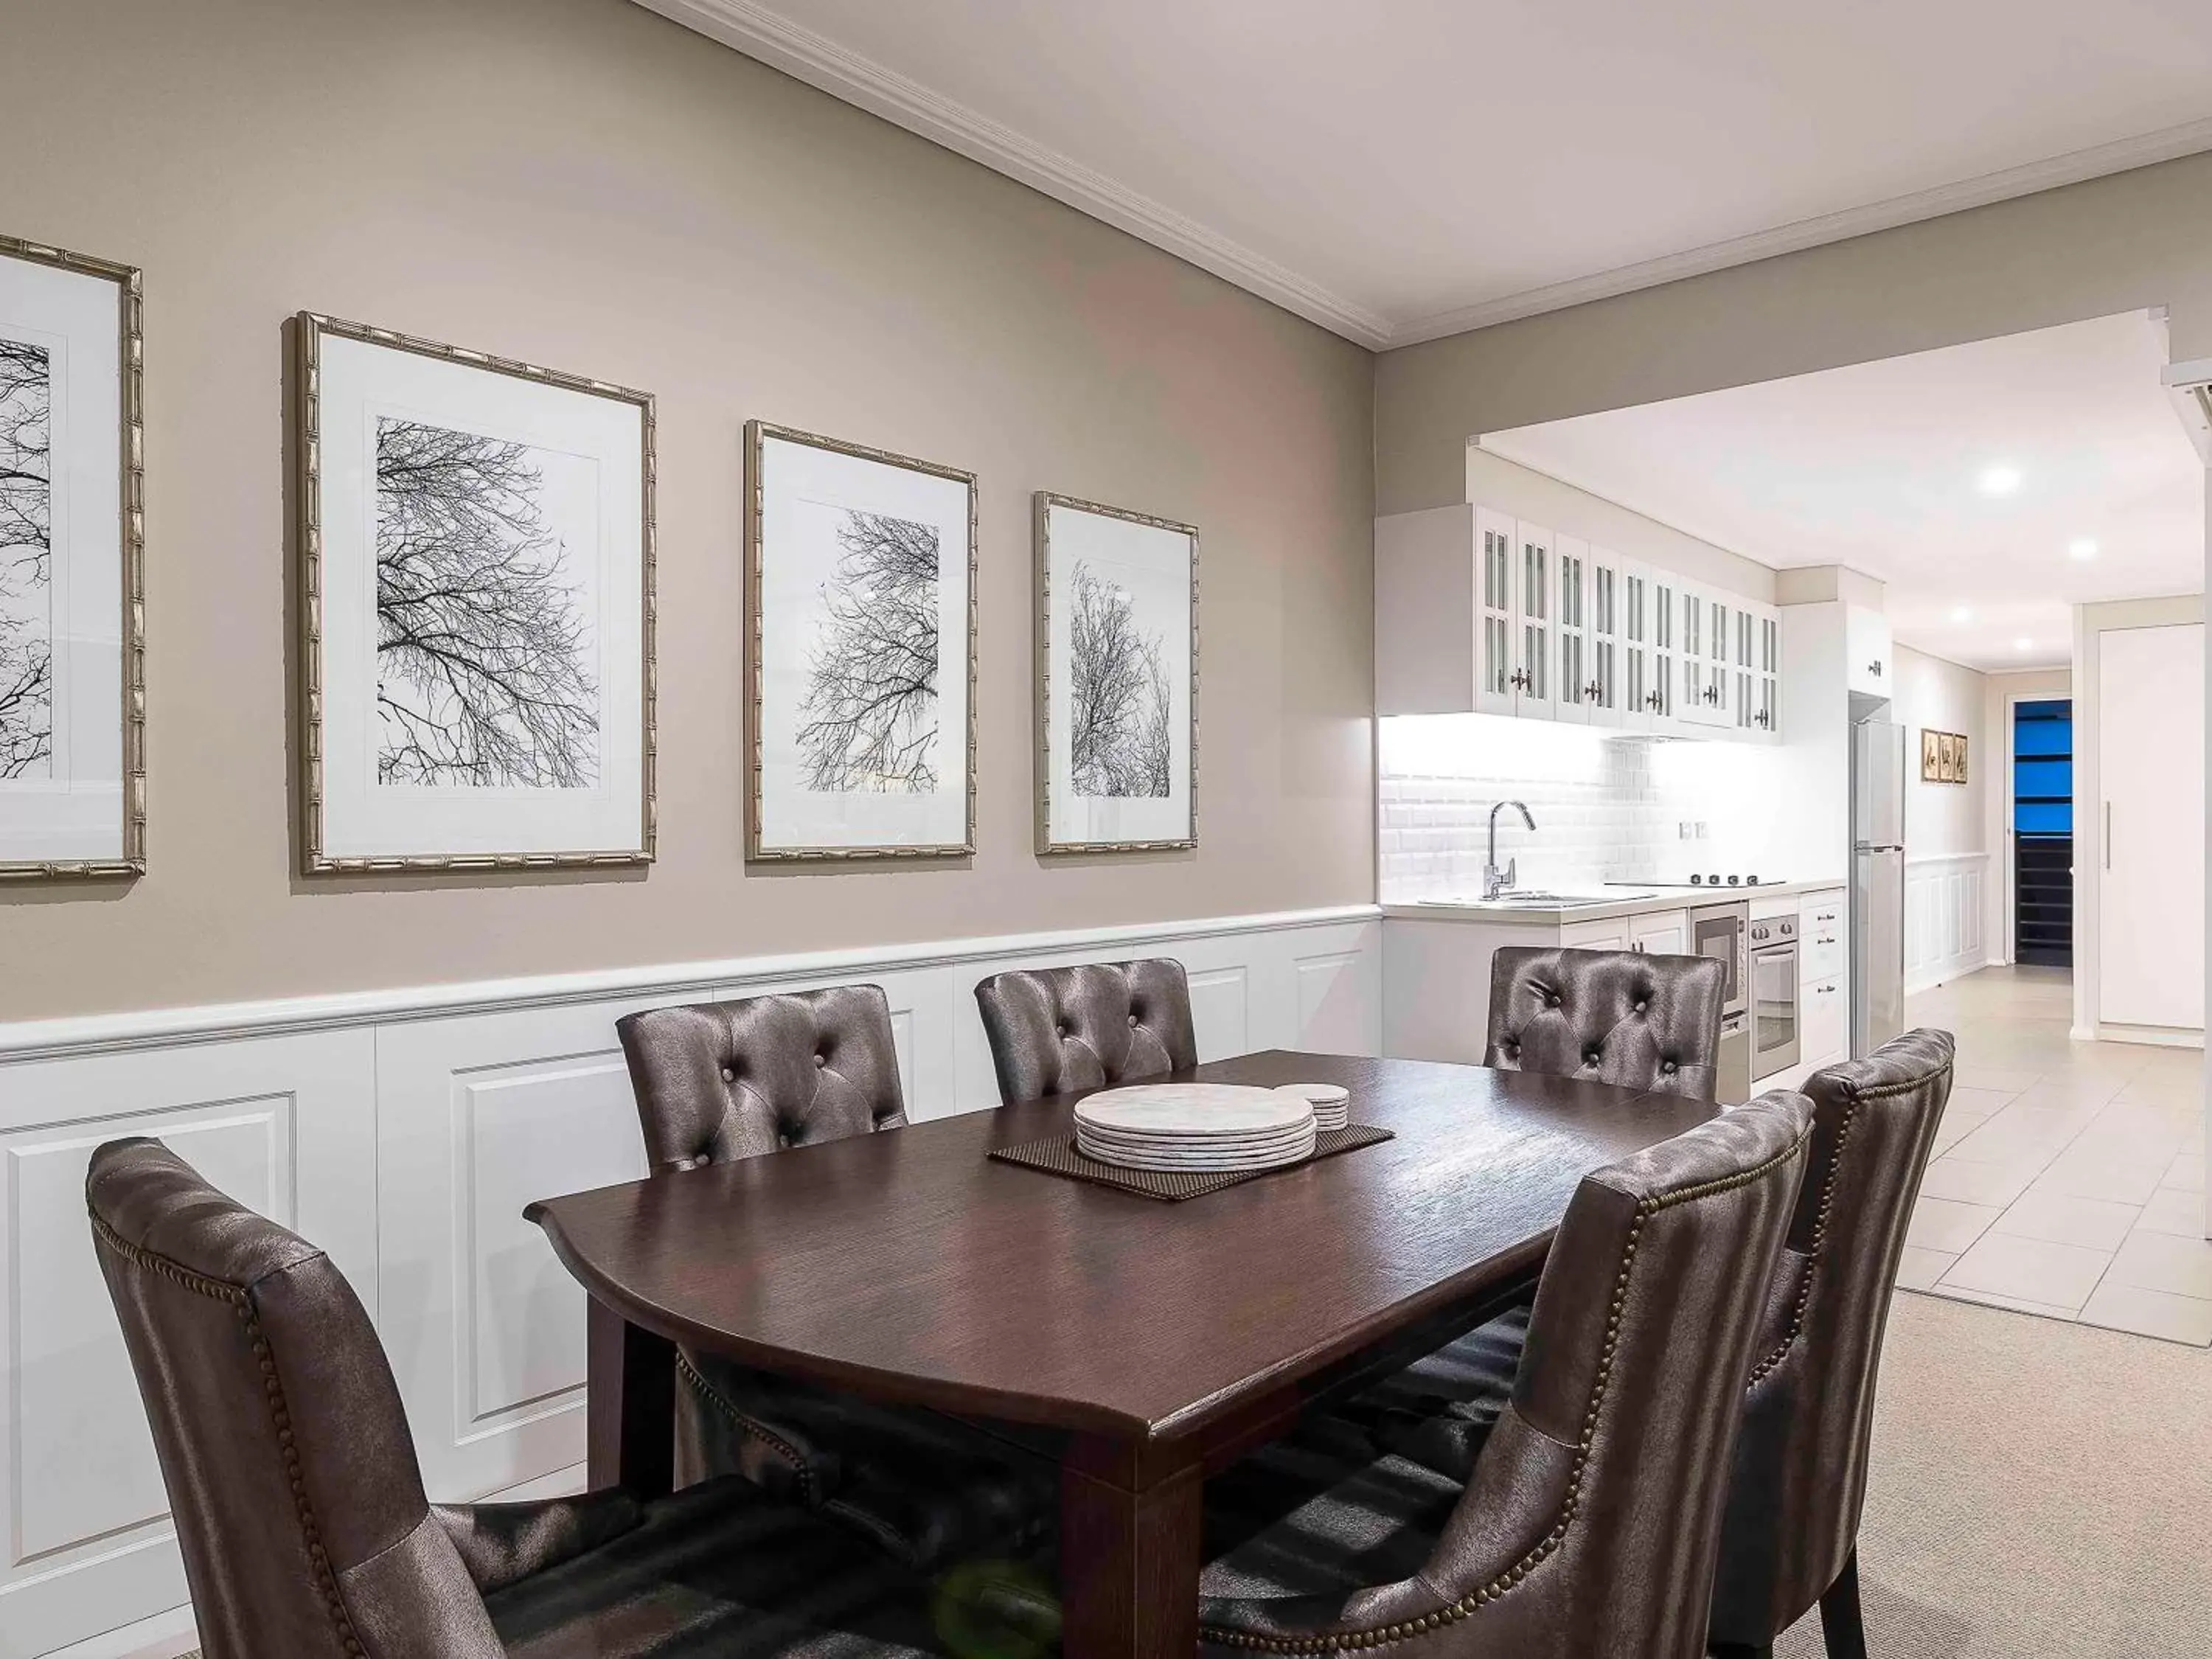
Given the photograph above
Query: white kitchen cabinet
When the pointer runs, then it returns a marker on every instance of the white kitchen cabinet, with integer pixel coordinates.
(1823, 979)
(2150, 827)
(1536, 635)
(1570, 623)
(1603, 694)
(1662, 933)
(1611, 934)
(1477, 612)
(1766, 672)
(1868, 666)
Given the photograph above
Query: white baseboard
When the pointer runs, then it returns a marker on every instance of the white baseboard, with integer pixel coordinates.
(2154, 1036)
(403, 1130)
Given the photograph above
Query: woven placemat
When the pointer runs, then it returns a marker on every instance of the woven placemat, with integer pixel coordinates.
(1057, 1155)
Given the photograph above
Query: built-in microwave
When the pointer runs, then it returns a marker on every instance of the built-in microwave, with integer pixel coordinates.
(1719, 931)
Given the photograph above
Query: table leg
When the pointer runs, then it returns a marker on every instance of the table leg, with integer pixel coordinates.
(1129, 1563)
(630, 1409)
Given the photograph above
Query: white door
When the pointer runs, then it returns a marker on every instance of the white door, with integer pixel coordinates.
(1493, 612)
(1768, 717)
(1666, 650)
(1694, 702)
(1532, 661)
(1571, 619)
(2150, 866)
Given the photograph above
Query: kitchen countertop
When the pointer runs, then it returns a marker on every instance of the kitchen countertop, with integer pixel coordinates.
(1634, 901)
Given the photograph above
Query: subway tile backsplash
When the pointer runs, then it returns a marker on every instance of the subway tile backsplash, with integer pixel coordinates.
(1608, 807)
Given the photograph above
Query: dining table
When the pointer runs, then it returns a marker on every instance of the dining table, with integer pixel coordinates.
(1142, 1344)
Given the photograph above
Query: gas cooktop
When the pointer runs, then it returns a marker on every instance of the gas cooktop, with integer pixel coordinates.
(1702, 882)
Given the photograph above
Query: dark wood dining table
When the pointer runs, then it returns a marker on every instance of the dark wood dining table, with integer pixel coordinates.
(1143, 1343)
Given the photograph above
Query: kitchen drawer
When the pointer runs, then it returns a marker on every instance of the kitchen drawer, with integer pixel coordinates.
(1822, 910)
(1823, 955)
(1823, 1018)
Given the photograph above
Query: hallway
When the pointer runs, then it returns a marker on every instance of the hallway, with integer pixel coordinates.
(2068, 1177)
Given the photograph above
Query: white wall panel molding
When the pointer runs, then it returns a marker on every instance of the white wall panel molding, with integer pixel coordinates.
(1946, 918)
(284, 1123)
(405, 1131)
(217, 1022)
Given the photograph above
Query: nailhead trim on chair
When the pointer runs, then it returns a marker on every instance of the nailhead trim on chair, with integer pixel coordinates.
(1858, 1097)
(748, 1426)
(272, 1389)
(1380, 1636)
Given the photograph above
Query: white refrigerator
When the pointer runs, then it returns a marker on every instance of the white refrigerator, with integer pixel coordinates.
(1878, 754)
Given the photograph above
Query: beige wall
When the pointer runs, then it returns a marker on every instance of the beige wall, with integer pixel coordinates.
(2137, 239)
(581, 183)
(1933, 694)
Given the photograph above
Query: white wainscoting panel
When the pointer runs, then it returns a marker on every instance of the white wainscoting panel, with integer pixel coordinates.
(282, 1123)
(1946, 933)
(405, 1132)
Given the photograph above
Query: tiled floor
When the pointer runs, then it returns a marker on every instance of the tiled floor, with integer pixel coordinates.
(2068, 1178)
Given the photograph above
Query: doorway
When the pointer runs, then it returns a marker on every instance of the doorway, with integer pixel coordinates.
(2041, 830)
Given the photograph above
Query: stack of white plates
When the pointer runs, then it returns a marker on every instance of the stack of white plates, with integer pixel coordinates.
(1197, 1127)
(1331, 1101)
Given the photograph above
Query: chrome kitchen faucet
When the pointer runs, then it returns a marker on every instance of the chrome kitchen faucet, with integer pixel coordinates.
(1494, 880)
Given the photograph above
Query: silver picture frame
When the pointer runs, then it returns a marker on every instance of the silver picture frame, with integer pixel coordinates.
(130, 506)
(310, 330)
(759, 849)
(1048, 843)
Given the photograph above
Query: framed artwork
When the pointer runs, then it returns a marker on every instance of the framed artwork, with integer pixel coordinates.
(72, 567)
(1931, 755)
(476, 610)
(1117, 679)
(1946, 758)
(860, 619)
(1959, 757)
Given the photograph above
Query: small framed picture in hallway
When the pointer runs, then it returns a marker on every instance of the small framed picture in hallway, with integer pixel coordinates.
(1117, 679)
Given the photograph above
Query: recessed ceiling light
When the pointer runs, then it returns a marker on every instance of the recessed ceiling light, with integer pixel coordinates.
(2000, 480)
(2023, 644)
(2083, 547)
(1962, 613)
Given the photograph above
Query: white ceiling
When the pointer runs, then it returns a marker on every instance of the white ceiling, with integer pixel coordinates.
(1879, 467)
(1401, 169)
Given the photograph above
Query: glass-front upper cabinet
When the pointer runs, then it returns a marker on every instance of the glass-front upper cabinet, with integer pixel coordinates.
(1602, 693)
(1768, 716)
(1571, 619)
(1532, 663)
(1496, 619)
(1666, 649)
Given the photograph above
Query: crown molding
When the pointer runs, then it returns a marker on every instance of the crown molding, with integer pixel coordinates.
(759, 33)
(751, 28)
(2077, 167)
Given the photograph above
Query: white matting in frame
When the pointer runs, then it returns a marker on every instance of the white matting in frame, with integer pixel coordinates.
(1118, 671)
(72, 768)
(860, 595)
(478, 609)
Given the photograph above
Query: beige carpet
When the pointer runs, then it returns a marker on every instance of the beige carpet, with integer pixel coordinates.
(2039, 1491)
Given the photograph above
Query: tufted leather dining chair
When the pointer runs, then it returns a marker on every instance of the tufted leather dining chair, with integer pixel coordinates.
(1590, 1521)
(1635, 1021)
(298, 1503)
(1790, 1532)
(1649, 1022)
(718, 1081)
(1057, 1030)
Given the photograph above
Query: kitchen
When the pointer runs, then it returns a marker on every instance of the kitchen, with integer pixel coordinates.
(1600, 758)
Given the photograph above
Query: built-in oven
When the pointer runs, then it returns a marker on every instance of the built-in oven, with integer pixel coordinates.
(1722, 931)
(1773, 995)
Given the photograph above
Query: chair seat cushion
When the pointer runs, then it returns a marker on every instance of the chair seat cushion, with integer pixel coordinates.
(1439, 1411)
(927, 1489)
(1377, 1525)
(719, 1570)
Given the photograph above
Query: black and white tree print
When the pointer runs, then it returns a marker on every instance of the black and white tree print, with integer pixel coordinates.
(27, 668)
(869, 718)
(483, 648)
(1120, 746)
